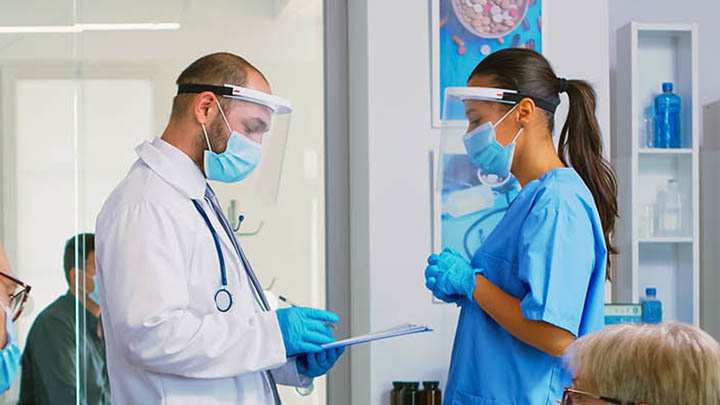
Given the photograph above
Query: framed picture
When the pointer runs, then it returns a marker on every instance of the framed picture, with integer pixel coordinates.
(466, 31)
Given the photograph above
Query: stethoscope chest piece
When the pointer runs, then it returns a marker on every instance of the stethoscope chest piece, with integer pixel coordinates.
(223, 299)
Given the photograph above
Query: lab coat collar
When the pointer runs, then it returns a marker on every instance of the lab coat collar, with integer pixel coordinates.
(174, 166)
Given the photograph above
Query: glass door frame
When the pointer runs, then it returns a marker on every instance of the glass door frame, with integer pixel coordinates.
(337, 186)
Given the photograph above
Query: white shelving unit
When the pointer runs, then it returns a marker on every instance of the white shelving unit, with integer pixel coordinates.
(648, 55)
(710, 225)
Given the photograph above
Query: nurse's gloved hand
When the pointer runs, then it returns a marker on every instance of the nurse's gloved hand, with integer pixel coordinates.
(317, 364)
(450, 275)
(430, 283)
(304, 330)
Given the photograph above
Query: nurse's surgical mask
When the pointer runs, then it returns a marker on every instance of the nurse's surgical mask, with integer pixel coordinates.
(492, 159)
(240, 158)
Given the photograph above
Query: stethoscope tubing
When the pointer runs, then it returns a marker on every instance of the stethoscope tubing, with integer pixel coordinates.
(221, 259)
(216, 240)
(223, 273)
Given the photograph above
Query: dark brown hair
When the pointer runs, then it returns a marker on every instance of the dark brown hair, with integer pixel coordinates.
(580, 144)
(83, 244)
(215, 69)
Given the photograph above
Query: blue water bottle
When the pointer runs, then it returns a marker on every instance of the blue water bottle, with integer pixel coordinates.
(667, 119)
(652, 308)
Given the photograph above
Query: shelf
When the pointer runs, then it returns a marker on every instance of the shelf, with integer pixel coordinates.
(669, 239)
(649, 55)
(670, 269)
(669, 151)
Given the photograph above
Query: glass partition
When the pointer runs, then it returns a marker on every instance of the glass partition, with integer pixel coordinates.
(84, 82)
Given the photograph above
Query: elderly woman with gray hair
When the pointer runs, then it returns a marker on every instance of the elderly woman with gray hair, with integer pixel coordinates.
(669, 363)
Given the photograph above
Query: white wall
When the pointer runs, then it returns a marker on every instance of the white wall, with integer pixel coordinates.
(390, 174)
(702, 12)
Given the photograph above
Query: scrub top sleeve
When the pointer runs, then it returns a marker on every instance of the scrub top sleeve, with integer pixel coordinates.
(556, 260)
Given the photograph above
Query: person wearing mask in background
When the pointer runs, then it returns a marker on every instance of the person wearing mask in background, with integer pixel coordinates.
(50, 359)
(633, 364)
(13, 295)
(185, 318)
(538, 280)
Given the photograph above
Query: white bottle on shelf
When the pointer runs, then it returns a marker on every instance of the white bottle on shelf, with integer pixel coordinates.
(669, 212)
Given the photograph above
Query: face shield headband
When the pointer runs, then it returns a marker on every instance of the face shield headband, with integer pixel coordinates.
(276, 104)
(501, 95)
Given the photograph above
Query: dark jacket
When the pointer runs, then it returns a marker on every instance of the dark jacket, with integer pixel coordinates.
(49, 360)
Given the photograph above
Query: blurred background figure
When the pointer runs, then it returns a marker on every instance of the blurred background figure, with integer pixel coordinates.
(49, 361)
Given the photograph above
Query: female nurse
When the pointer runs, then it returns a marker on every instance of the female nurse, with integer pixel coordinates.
(537, 282)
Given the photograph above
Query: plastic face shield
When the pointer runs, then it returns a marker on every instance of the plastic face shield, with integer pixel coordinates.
(466, 210)
(455, 169)
(261, 115)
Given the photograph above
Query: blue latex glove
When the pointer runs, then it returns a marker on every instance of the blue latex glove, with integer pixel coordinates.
(450, 276)
(304, 330)
(431, 282)
(316, 364)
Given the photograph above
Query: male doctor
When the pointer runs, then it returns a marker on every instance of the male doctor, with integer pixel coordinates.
(185, 319)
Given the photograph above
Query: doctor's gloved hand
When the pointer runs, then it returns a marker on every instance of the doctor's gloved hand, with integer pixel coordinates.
(450, 276)
(317, 364)
(304, 330)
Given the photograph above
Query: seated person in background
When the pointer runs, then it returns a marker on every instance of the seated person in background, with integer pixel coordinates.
(13, 294)
(49, 359)
(667, 363)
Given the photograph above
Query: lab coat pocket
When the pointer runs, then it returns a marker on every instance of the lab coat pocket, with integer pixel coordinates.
(462, 398)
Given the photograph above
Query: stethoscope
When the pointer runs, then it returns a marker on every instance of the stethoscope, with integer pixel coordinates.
(223, 298)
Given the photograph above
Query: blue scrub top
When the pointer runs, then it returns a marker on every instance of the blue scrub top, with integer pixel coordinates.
(549, 252)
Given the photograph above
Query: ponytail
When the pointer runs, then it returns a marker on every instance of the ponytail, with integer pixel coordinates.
(581, 144)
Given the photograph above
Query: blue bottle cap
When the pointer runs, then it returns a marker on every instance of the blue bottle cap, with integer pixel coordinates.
(650, 292)
(667, 86)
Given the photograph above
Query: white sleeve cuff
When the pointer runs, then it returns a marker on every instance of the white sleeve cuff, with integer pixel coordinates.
(289, 375)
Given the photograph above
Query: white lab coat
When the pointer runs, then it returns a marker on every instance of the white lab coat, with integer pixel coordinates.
(158, 272)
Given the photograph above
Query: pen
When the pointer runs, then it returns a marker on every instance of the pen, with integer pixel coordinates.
(292, 304)
(287, 301)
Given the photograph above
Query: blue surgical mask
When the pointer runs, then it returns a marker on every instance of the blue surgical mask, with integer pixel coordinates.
(240, 158)
(492, 159)
(9, 357)
(95, 294)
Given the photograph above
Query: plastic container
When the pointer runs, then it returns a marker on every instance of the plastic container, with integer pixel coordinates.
(669, 210)
(430, 394)
(652, 307)
(647, 221)
(647, 127)
(667, 119)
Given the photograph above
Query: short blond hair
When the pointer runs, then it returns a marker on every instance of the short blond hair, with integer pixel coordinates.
(668, 363)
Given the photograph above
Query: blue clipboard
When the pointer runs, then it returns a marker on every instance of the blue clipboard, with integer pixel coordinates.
(400, 330)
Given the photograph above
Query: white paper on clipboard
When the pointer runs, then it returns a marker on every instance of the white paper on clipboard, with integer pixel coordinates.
(400, 330)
